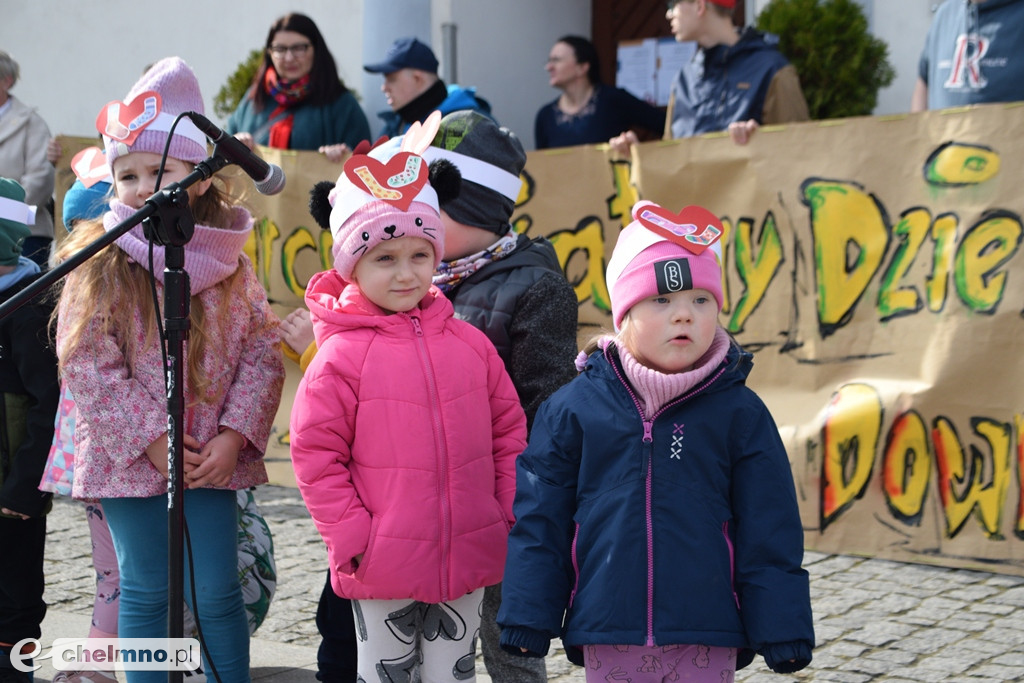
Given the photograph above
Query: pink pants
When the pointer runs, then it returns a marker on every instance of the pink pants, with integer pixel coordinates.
(108, 579)
(641, 664)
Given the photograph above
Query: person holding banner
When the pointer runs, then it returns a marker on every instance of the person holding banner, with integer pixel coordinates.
(588, 111)
(297, 99)
(657, 527)
(112, 362)
(737, 81)
(971, 55)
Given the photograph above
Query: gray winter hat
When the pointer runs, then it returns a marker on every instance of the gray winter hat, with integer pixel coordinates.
(490, 159)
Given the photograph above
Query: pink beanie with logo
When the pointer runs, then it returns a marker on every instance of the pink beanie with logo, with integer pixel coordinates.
(141, 122)
(645, 264)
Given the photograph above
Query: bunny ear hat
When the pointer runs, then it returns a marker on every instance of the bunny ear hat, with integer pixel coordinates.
(383, 193)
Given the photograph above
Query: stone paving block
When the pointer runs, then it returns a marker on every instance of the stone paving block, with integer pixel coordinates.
(990, 608)
(1011, 659)
(994, 672)
(901, 657)
(920, 674)
(971, 657)
(1012, 596)
(974, 593)
(1005, 580)
(1005, 631)
(840, 676)
(882, 633)
(847, 649)
(870, 666)
(920, 643)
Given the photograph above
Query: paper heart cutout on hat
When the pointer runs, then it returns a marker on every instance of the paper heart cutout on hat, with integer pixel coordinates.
(694, 228)
(123, 122)
(90, 166)
(397, 182)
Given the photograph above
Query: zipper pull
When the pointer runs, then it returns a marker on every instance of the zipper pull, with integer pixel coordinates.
(648, 429)
(416, 326)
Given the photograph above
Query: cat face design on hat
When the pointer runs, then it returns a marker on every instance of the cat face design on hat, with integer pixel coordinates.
(378, 222)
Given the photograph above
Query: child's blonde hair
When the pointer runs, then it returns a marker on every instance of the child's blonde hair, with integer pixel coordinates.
(624, 338)
(110, 287)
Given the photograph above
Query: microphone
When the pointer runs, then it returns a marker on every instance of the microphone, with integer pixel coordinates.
(269, 178)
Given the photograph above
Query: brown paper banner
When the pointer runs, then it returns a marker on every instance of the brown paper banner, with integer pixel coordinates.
(873, 267)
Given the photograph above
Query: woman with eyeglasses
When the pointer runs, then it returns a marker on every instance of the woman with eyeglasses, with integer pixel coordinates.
(588, 111)
(298, 100)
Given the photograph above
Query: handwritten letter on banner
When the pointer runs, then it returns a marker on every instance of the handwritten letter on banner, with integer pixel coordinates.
(874, 268)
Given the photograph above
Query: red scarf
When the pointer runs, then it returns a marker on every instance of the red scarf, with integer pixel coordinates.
(287, 94)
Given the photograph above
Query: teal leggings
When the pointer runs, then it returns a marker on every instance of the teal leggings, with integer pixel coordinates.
(139, 529)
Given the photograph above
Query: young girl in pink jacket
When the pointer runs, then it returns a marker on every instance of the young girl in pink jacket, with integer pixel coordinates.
(405, 427)
(111, 360)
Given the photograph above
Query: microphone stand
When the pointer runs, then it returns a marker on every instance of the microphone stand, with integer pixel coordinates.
(167, 220)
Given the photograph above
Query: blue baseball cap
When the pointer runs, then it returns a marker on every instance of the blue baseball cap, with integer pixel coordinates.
(405, 53)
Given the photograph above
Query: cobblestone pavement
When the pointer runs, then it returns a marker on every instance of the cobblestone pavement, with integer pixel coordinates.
(875, 620)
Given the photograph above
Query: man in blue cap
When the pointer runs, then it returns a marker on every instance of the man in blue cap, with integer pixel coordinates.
(413, 89)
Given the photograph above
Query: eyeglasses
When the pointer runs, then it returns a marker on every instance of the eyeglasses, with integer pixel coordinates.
(672, 4)
(299, 50)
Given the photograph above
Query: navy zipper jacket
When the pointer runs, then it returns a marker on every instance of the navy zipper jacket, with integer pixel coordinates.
(679, 530)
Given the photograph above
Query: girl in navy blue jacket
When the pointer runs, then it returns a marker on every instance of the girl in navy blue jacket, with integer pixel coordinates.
(657, 529)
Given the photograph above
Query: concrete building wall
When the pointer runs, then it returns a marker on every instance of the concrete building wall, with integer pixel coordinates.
(77, 56)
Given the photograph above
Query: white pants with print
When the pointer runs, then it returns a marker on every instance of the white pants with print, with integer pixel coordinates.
(397, 637)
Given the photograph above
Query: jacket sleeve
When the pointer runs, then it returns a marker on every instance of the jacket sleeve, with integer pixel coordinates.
(36, 366)
(543, 335)
(106, 393)
(237, 121)
(785, 101)
(322, 429)
(508, 426)
(773, 588)
(39, 173)
(540, 132)
(539, 575)
(255, 392)
(349, 121)
(640, 113)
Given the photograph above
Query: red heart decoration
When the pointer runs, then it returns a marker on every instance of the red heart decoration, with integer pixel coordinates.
(694, 228)
(123, 122)
(397, 182)
(90, 166)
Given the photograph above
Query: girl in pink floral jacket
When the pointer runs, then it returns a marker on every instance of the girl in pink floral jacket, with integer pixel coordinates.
(111, 360)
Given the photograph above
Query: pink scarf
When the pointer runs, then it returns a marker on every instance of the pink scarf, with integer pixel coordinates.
(210, 256)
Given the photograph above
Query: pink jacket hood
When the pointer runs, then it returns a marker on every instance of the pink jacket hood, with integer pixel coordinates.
(404, 434)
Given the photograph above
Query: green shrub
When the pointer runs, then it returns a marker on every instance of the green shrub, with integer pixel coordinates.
(232, 92)
(841, 65)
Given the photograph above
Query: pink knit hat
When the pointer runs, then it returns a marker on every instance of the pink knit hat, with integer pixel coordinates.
(142, 121)
(661, 252)
(385, 193)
